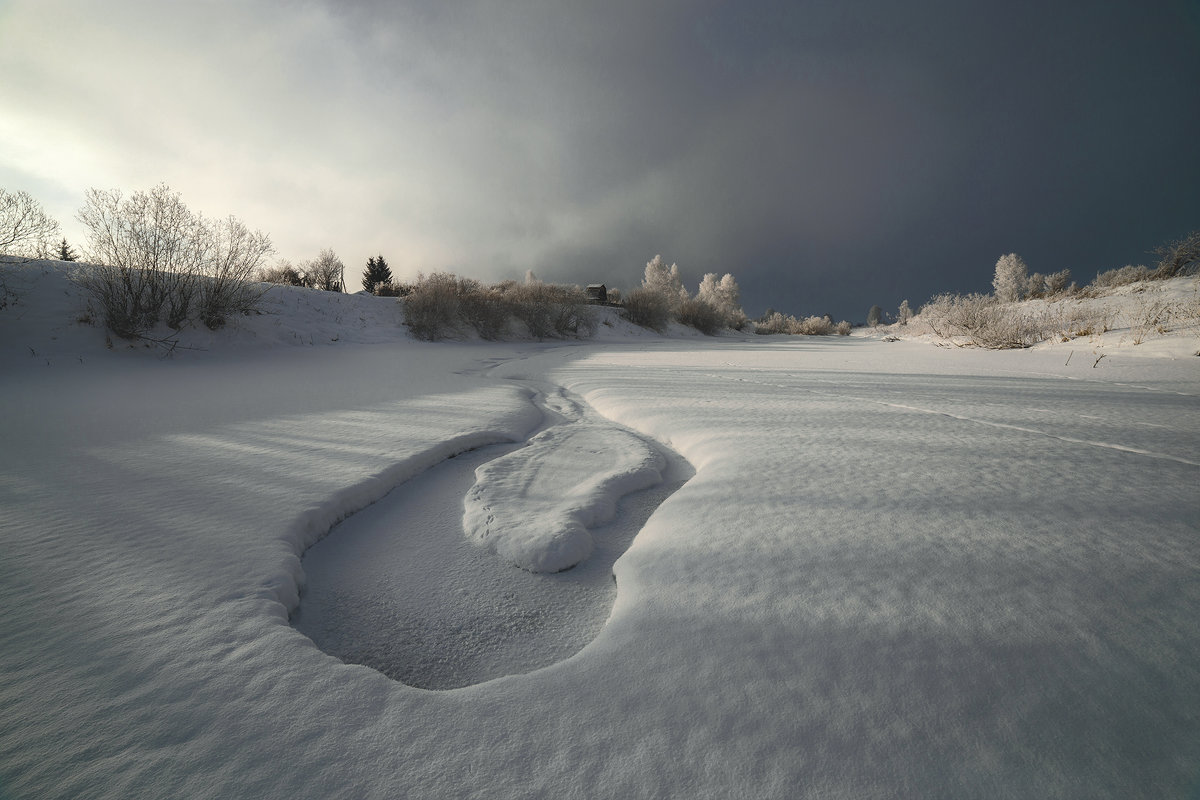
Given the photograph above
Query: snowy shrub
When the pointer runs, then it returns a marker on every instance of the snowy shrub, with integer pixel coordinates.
(814, 326)
(431, 309)
(282, 273)
(980, 320)
(1074, 320)
(1181, 257)
(547, 310)
(701, 315)
(772, 322)
(442, 305)
(155, 260)
(1122, 276)
(25, 228)
(483, 309)
(648, 308)
(1010, 278)
(1057, 282)
(1149, 317)
(777, 323)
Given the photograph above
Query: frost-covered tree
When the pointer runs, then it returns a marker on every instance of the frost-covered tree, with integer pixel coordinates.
(25, 228)
(327, 272)
(1057, 282)
(377, 272)
(665, 281)
(1010, 279)
(725, 296)
(904, 314)
(874, 315)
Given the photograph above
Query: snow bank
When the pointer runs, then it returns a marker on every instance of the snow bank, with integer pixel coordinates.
(899, 571)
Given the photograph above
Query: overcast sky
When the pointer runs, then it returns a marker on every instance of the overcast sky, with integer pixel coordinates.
(831, 154)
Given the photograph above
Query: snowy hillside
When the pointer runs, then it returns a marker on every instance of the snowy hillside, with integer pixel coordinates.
(844, 567)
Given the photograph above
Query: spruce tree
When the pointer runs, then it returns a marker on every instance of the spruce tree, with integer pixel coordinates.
(377, 272)
(65, 251)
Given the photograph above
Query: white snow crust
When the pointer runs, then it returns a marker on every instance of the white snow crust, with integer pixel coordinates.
(898, 571)
(533, 507)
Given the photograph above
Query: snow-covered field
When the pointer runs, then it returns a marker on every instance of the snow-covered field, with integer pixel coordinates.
(887, 569)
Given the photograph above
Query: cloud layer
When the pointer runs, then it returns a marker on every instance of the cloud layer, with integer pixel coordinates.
(830, 155)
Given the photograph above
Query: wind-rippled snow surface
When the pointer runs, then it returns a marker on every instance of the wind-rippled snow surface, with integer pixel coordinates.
(899, 571)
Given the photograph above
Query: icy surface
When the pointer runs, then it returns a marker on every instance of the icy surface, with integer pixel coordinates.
(899, 570)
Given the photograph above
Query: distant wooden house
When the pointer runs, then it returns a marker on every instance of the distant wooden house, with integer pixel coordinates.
(597, 293)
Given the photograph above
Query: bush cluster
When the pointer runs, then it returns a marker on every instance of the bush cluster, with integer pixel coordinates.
(442, 305)
(662, 298)
(1122, 276)
(154, 260)
(701, 315)
(777, 323)
(647, 308)
(980, 320)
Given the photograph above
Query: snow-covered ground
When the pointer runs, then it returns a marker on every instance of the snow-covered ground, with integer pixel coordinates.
(898, 570)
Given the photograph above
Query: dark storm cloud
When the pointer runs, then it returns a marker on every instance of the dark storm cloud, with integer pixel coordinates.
(831, 155)
(834, 155)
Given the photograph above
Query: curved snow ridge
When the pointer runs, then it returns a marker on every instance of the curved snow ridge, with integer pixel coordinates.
(315, 522)
(533, 507)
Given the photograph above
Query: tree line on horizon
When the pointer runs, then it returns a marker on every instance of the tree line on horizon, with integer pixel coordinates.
(154, 260)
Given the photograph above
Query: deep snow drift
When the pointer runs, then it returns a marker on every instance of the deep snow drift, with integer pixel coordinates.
(898, 571)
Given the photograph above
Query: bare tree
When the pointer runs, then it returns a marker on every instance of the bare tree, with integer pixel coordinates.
(147, 249)
(155, 260)
(25, 229)
(236, 254)
(326, 272)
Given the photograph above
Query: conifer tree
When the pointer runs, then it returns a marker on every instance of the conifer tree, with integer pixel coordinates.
(65, 251)
(377, 272)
